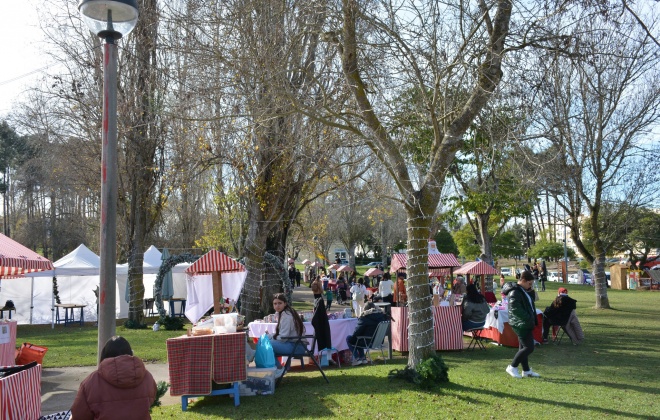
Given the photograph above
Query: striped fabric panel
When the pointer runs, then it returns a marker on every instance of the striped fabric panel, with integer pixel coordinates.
(476, 268)
(400, 261)
(8, 350)
(215, 261)
(20, 395)
(16, 259)
(447, 328)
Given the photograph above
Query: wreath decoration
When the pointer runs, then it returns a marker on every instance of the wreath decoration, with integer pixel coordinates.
(164, 268)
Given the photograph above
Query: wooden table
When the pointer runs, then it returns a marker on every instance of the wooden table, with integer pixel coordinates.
(3, 309)
(69, 317)
(173, 312)
(447, 332)
(196, 362)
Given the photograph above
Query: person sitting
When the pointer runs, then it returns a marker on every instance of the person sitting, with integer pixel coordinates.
(366, 327)
(558, 312)
(475, 308)
(289, 325)
(121, 387)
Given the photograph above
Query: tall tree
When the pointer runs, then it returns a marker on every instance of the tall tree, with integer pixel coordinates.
(599, 102)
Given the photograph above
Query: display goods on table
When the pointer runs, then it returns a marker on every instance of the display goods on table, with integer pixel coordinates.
(448, 331)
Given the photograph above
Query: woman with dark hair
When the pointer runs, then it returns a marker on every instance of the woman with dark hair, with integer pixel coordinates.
(475, 308)
(289, 324)
(121, 387)
(522, 319)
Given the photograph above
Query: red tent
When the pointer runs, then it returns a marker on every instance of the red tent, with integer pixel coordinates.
(216, 263)
(477, 268)
(399, 261)
(16, 260)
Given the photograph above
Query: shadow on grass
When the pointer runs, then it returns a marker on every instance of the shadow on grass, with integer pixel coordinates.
(461, 392)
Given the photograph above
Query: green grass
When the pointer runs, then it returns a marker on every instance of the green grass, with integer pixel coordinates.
(613, 374)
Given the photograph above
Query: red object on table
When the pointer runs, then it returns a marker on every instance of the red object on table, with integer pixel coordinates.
(508, 337)
(196, 361)
(20, 395)
(448, 331)
(8, 350)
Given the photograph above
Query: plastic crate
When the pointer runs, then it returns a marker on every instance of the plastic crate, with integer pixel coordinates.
(260, 381)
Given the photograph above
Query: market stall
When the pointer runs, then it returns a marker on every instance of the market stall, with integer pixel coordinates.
(478, 269)
(447, 329)
(497, 327)
(339, 330)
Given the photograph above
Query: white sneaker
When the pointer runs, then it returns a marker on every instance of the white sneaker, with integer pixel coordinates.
(357, 362)
(513, 371)
(530, 374)
(365, 362)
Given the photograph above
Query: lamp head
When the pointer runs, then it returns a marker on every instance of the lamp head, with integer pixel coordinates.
(109, 18)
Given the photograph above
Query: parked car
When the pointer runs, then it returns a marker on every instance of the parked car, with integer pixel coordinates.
(373, 264)
(607, 277)
(554, 276)
(343, 261)
(506, 271)
(576, 278)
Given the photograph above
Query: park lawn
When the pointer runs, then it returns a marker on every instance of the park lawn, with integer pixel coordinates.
(613, 374)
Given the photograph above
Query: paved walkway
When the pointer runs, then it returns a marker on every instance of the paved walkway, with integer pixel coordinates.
(60, 385)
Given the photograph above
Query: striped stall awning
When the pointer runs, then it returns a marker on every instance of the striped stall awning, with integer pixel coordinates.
(399, 261)
(214, 261)
(477, 268)
(17, 260)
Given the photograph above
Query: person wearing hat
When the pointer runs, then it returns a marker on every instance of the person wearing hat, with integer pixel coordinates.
(522, 319)
(558, 312)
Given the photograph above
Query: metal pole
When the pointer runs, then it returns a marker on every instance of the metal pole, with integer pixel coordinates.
(108, 252)
(565, 276)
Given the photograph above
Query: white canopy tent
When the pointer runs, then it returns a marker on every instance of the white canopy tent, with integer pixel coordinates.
(77, 276)
(150, 267)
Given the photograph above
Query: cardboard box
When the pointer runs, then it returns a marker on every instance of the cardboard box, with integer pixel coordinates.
(260, 381)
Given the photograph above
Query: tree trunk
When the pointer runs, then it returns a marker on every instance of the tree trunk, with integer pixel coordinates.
(421, 343)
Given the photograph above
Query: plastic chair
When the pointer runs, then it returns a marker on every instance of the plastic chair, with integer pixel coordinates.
(375, 342)
(477, 339)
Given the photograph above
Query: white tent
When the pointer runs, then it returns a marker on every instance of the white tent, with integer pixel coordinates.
(77, 276)
(150, 267)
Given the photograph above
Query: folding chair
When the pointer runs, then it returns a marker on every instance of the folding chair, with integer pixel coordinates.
(300, 350)
(556, 336)
(375, 342)
(477, 339)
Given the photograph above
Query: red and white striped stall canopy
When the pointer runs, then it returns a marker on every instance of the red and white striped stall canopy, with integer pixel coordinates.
(435, 261)
(16, 260)
(306, 261)
(214, 261)
(373, 271)
(476, 268)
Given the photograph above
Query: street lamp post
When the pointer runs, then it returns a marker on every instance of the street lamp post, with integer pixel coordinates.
(110, 20)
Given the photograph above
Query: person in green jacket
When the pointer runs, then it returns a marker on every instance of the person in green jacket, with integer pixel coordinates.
(522, 319)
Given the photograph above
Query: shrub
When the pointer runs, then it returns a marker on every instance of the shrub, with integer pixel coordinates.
(428, 374)
(170, 323)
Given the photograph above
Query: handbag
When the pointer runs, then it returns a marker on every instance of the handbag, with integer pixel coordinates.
(30, 353)
(264, 356)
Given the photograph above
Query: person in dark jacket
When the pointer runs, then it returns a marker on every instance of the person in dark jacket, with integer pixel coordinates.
(522, 319)
(475, 308)
(558, 312)
(121, 387)
(366, 327)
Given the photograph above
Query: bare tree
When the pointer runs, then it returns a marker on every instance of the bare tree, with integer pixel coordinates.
(600, 101)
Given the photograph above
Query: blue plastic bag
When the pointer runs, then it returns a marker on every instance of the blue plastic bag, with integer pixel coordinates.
(264, 356)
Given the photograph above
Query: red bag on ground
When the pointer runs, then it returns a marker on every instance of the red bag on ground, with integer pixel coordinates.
(30, 353)
(345, 356)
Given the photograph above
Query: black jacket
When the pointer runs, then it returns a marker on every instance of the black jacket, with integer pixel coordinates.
(558, 315)
(522, 312)
(321, 326)
(367, 323)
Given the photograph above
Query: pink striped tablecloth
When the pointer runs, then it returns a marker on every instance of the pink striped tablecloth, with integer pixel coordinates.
(8, 350)
(194, 362)
(448, 332)
(20, 395)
